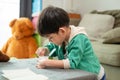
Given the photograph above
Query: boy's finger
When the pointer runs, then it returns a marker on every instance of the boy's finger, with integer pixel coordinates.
(38, 51)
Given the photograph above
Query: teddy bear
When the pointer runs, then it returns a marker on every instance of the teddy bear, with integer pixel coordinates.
(3, 57)
(21, 44)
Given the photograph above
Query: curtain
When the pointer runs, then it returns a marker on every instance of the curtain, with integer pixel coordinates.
(26, 8)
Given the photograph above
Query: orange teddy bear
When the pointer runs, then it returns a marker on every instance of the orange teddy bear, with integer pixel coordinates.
(21, 44)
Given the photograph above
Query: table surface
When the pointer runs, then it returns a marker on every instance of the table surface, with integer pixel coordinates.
(51, 73)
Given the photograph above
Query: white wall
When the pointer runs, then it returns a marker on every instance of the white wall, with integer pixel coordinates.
(65, 4)
(9, 9)
(85, 6)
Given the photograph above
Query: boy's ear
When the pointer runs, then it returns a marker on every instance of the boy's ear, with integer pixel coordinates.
(62, 29)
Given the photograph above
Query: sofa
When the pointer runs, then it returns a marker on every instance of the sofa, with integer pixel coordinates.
(103, 28)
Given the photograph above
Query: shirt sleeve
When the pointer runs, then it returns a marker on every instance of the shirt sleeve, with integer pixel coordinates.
(76, 50)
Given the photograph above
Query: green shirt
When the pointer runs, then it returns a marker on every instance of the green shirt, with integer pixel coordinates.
(80, 53)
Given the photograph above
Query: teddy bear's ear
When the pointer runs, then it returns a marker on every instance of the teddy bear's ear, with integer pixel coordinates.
(29, 23)
(12, 22)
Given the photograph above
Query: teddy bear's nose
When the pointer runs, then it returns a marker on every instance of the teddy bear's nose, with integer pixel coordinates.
(18, 37)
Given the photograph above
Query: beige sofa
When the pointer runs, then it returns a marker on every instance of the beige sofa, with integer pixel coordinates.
(106, 39)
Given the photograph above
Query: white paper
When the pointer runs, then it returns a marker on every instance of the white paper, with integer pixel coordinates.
(22, 74)
(33, 77)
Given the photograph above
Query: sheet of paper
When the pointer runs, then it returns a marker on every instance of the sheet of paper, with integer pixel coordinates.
(22, 74)
(33, 77)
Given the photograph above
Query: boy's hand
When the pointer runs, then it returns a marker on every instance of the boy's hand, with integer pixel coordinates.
(41, 51)
(41, 62)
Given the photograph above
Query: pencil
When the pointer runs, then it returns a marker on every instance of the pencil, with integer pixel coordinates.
(51, 53)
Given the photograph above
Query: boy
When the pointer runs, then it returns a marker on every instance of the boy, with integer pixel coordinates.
(72, 47)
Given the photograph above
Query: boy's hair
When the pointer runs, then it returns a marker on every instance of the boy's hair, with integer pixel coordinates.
(51, 19)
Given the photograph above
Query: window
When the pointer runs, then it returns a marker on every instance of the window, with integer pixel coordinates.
(9, 9)
(36, 6)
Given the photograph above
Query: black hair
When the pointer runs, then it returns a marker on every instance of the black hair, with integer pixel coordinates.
(51, 19)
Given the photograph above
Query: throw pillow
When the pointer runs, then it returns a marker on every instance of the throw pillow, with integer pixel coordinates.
(112, 36)
(97, 24)
(115, 13)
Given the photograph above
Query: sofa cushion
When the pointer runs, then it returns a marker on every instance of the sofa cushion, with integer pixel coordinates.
(112, 36)
(96, 23)
(107, 53)
(114, 13)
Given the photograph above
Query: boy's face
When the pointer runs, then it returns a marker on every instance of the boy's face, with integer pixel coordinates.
(57, 38)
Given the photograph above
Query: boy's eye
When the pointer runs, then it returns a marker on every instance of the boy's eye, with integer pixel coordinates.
(50, 38)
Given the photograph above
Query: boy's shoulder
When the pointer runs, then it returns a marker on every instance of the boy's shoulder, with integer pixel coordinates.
(79, 36)
(77, 31)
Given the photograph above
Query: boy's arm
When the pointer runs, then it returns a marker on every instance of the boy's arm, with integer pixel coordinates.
(76, 50)
(53, 63)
